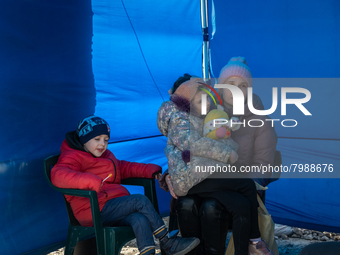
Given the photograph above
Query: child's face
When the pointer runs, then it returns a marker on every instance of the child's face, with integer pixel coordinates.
(97, 145)
(236, 81)
(196, 102)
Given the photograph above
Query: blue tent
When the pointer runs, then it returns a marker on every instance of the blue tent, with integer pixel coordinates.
(64, 60)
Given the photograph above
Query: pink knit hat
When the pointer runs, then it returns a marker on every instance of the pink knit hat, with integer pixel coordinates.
(187, 89)
(237, 66)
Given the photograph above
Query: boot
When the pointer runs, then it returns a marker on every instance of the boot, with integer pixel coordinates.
(259, 248)
(214, 224)
(177, 245)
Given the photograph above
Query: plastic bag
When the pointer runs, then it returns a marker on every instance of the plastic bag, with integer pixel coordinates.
(266, 225)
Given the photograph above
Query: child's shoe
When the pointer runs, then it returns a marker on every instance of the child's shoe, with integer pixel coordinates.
(259, 248)
(176, 245)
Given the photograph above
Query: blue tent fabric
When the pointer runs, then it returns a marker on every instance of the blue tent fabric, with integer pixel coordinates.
(55, 72)
(280, 39)
(305, 201)
(43, 58)
(292, 44)
(64, 60)
(135, 64)
(46, 86)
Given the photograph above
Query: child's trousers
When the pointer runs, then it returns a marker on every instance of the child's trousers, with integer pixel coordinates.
(138, 212)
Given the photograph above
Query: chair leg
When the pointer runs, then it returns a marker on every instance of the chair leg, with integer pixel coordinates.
(86, 247)
(68, 250)
(173, 223)
(70, 242)
(74, 235)
(120, 236)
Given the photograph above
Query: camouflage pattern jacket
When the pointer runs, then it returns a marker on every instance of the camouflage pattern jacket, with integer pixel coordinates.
(189, 153)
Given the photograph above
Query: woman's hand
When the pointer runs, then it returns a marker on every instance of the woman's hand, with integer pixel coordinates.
(171, 188)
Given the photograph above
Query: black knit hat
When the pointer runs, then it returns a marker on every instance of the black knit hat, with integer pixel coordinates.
(91, 127)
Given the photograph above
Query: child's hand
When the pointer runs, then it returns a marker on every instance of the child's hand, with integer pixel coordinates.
(158, 176)
(233, 157)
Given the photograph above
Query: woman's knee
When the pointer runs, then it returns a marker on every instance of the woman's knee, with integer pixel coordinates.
(188, 205)
(212, 209)
(187, 216)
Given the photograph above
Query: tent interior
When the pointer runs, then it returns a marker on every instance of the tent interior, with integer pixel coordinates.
(64, 60)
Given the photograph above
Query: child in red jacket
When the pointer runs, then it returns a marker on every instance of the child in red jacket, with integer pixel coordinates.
(86, 163)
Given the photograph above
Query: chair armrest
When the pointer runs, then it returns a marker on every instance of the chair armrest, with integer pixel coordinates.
(92, 195)
(138, 181)
(77, 192)
(149, 188)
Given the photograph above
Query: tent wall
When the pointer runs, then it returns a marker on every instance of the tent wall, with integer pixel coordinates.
(292, 44)
(138, 56)
(62, 61)
(280, 39)
(139, 50)
(46, 86)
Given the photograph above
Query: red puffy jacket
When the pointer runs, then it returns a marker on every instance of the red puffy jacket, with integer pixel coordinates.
(81, 170)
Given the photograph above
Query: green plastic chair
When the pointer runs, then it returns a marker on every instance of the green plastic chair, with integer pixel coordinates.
(109, 240)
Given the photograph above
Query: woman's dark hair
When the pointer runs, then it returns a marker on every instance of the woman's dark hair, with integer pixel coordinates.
(180, 80)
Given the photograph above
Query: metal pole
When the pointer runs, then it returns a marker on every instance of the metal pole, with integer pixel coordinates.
(205, 49)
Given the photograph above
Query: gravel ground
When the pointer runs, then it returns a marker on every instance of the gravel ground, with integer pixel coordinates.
(290, 240)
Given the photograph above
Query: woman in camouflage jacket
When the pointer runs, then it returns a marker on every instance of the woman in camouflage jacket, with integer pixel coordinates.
(189, 153)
